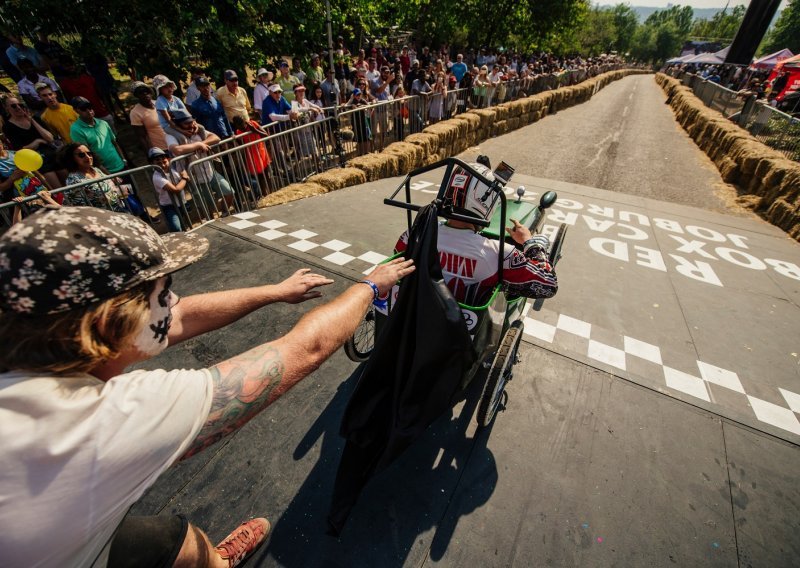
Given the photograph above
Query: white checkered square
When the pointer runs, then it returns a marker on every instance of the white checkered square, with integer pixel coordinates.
(271, 235)
(574, 326)
(303, 246)
(302, 234)
(686, 383)
(776, 415)
(273, 224)
(540, 330)
(336, 245)
(372, 257)
(246, 215)
(643, 350)
(339, 258)
(606, 354)
(243, 224)
(792, 399)
(719, 376)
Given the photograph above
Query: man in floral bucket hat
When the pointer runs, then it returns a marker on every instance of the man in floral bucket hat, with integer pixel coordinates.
(85, 293)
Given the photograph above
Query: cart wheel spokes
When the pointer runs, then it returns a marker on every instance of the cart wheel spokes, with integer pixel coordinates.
(499, 374)
(358, 346)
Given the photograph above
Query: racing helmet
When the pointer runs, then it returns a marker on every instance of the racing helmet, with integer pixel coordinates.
(467, 195)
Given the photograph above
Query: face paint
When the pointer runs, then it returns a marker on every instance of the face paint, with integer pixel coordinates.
(152, 338)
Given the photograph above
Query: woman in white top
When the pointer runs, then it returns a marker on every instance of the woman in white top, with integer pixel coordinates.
(308, 113)
(262, 88)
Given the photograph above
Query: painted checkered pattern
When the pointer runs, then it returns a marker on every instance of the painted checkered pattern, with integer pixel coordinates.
(702, 380)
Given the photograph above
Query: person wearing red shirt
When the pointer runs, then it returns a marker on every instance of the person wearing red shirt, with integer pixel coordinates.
(78, 83)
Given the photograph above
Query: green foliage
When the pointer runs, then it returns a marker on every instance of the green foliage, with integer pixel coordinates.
(722, 27)
(786, 32)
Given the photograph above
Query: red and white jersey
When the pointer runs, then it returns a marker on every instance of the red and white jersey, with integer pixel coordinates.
(469, 266)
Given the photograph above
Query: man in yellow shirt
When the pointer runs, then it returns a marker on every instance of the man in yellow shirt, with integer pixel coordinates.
(234, 98)
(57, 117)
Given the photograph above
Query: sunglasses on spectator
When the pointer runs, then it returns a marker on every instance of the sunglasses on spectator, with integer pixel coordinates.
(16, 105)
(83, 154)
(233, 80)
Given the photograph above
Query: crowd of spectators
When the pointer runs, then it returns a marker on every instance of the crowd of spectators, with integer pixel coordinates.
(65, 108)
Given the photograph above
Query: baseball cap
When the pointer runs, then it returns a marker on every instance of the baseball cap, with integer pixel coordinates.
(283, 63)
(61, 259)
(299, 87)
(80, 103)
(356, 91)
(180, 115)
(230, 75)
(155, 152)
(275, 88)
(202, 81)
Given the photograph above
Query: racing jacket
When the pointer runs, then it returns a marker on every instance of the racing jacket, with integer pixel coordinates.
(469, 266)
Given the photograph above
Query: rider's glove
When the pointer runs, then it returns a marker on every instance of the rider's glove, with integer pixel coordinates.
(536, 244)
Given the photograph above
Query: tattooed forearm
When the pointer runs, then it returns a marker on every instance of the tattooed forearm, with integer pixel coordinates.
(243, 386)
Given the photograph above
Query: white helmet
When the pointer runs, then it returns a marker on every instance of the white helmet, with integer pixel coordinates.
(470, 196)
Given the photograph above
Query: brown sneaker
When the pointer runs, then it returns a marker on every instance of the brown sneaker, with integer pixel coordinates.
(244, 540)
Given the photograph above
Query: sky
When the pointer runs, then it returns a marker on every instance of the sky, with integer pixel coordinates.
(692, 3)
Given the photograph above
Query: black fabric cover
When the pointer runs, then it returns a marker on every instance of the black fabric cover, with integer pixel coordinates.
(756, 20)
(412, 376)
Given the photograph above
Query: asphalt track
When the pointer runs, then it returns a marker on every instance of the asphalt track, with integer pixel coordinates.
(652, 420)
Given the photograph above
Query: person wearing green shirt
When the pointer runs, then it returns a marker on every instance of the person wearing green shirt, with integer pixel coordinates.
(287, 81)
(97, 135)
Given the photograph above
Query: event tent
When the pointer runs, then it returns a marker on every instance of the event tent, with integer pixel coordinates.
(771, 60)
(792, 66)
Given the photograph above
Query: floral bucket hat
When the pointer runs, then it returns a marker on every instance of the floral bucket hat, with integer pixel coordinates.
(61, 259)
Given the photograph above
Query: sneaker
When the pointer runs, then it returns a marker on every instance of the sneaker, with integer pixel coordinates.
(244, 540)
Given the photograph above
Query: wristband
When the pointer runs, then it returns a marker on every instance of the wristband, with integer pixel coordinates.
(375, 293)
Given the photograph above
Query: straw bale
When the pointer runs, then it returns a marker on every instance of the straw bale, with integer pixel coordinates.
(376, 166)
(291, 192)
(427, 141)
(446, 131)
(431, 159)
(473, 120)
(500, 127)
(729, 171)
(501, 112)
(487, 116)
(513, 123)
(339, 178)
(411, 156)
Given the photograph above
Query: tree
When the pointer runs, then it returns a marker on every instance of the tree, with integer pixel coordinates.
(786, 33)
(626, 22)
(722, 27)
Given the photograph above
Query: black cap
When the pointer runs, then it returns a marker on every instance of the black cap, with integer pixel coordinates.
(80, 103)
(200, 81)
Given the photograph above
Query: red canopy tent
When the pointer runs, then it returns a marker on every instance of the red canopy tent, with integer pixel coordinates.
(791, 66)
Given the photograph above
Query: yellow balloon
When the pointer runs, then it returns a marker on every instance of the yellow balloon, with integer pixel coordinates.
(28, 160)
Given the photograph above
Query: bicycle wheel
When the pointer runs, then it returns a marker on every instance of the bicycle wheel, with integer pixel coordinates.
(359, 345)
(499, 374)
(558, 242)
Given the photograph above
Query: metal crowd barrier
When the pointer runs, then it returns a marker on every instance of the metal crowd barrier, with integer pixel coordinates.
(776, 129)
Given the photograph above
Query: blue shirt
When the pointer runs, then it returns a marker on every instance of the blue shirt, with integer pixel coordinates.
(269, 106)
(211, 115)
(169, 106)
(14, 54)
(459, 70)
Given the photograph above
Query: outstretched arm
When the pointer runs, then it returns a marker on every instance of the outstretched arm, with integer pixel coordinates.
(198, 314)
(246, 384)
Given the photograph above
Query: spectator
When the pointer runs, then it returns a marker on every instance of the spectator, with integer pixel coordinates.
(27, 85)
(330, 89)
(144, 118)
(209, 112)
(98, 67)
(362, 127)
(437, 99)
(57, 117)
(51, 52)
(297, 71)
(480, 87)
(459, 68)
(97, 136)
(5, 63)
(189, 138)
(277, 109)
(65, 374)
(257, 158)
(287, 81)
(380, 86)
(17, 184)
(77, 159)
(170, 186)
(261, 92)
(233, 97)
(17, 50)
(306, 112)
(78, 83)
(361, 61)
(425, 59)
(316, 75)
(318, 99)
(405, 60)
(412, 76)
(192, 94)
(373, 73)
(24, 131)
(402, 113)
(166, 102)
(420, 86)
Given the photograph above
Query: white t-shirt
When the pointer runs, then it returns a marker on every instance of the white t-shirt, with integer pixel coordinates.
(78, 452)
(205, 172)
(160, 180)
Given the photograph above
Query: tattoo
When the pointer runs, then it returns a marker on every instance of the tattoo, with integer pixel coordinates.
(243, 386)
(160, 330)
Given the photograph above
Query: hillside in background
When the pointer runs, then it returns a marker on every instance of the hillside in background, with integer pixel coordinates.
(699, 13)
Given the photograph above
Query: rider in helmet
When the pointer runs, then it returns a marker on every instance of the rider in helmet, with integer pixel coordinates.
(469, 260)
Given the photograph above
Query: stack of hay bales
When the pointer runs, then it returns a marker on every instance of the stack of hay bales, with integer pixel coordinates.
(339, 178)
(377, 165)
(411, 156)
(771, 180)
(291, 192)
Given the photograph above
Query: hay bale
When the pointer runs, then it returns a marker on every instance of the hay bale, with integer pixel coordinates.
(500, 127)
(427, 141)
(513, 123)
(486, 115)
(472, 120)
(501, 112)
(410, 155)
(729, 171)
(291, 192)
(339, 178)
(376, 166)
